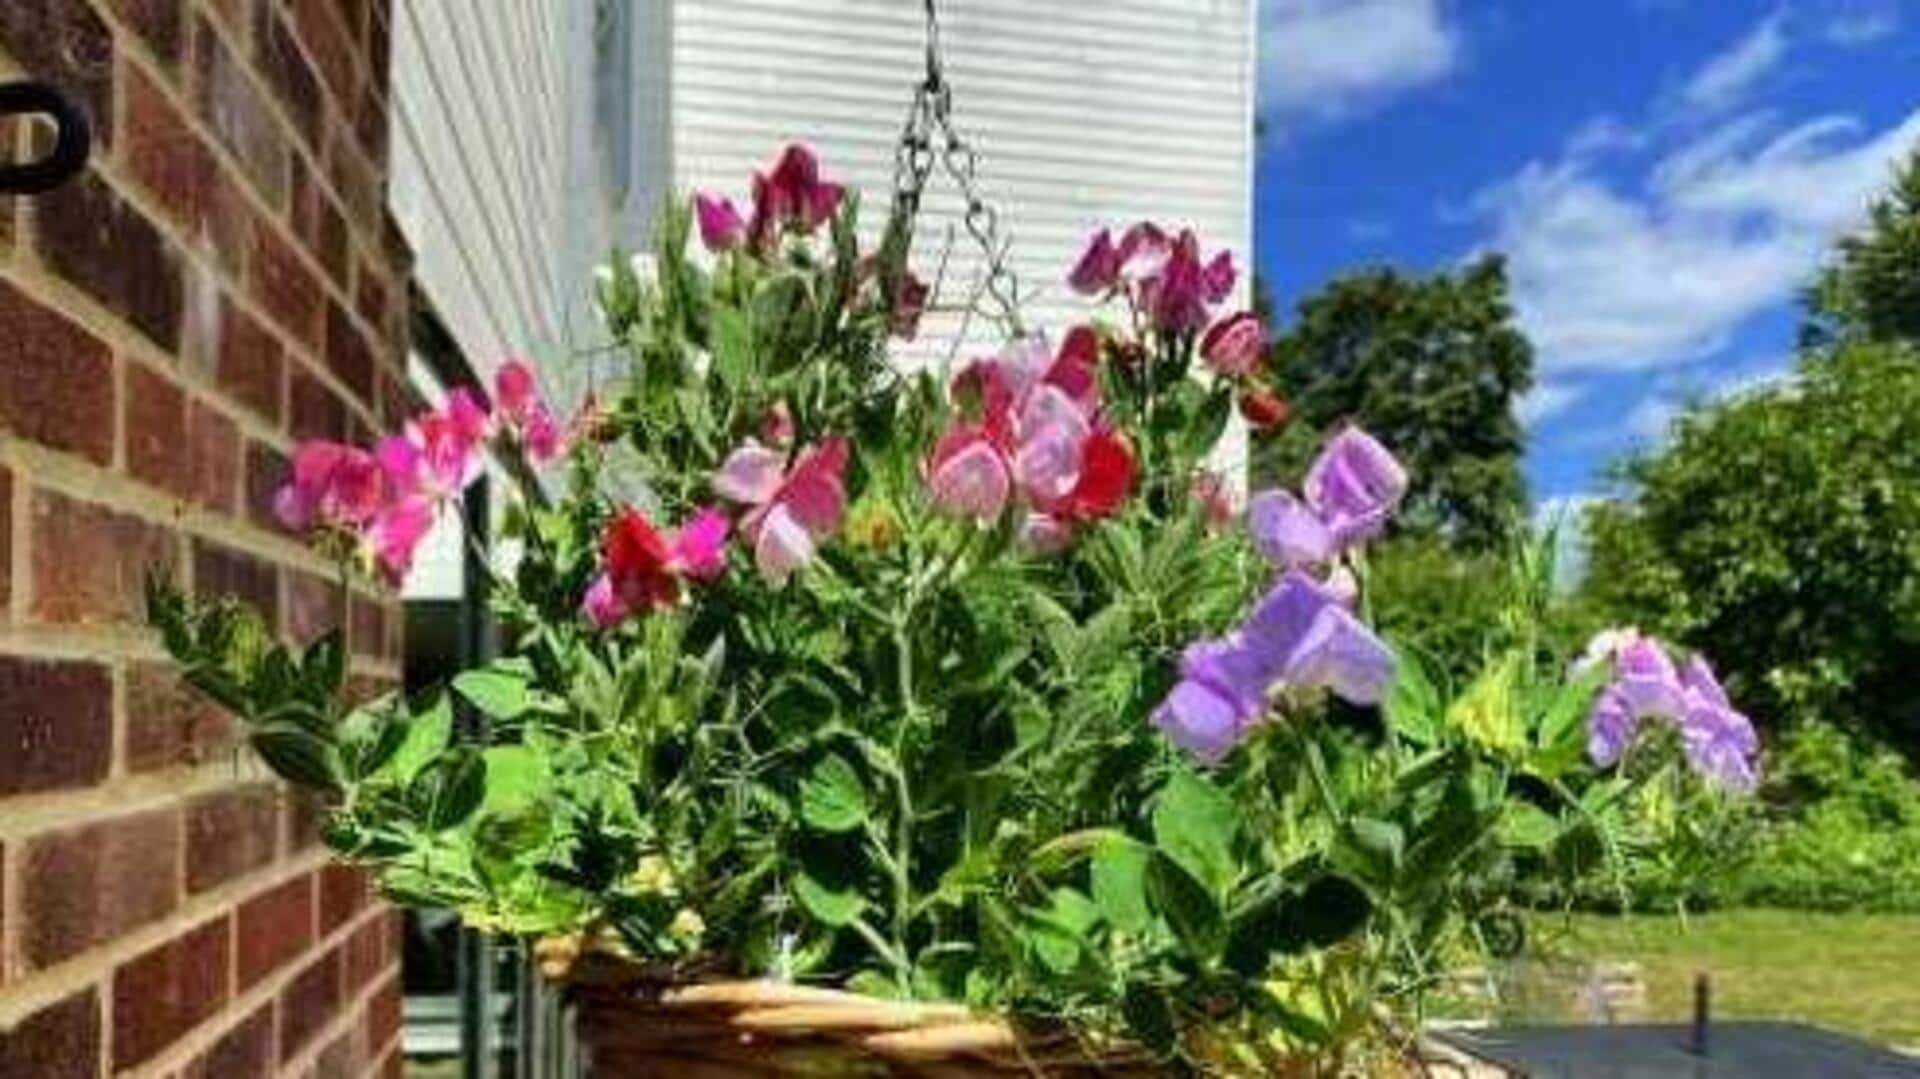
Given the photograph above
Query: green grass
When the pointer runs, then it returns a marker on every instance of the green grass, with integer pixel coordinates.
(1856, 973)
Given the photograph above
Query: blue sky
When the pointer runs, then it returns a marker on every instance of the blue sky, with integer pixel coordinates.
(1663, 175)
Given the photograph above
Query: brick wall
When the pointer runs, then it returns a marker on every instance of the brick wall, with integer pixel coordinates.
(222, 281)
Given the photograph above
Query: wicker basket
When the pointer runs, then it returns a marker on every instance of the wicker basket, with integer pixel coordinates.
(637, 1027)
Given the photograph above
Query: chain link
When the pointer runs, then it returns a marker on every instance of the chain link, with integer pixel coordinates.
(929, 138)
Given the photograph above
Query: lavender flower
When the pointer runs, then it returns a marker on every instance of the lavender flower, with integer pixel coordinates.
(1719, 741)
(1349, 494)
(1301, 635)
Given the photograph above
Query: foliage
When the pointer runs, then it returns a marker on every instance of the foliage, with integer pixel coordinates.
(1782, 530)
(1871, 289)
(904, 736)
(1432, 366)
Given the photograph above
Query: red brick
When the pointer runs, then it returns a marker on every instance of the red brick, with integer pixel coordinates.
(287, 71)
(308, 1003)
(156, 426)
(162, 150)
(315, 605)
(158, 22)
(274, 927)
(239, 115)
(60, 1041)
(227, 222)
(306, 815)
(56, 386)
(283, 285)
(93, 238)
(328, 239)
(384, 1015)
(366, 955)
(64, 42)
(333, 50)
(246, 1050)
(250, 365)
(6, 539)
(316, 411)
(348, 356)
(267, 471)
(369, 629)
(341, 1059)
(213, 458)
(370, 295)
(370, 125)
(356, 183)
(223, 571)
(170, 723)
(168, 991)
(56, 724)
(89, 884)
(344, 892)
(230, 833)
(90, 563)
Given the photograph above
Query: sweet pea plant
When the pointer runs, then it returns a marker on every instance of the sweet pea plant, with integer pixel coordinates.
(973, 685)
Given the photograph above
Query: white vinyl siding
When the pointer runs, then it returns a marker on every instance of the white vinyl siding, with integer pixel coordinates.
(1084, 112)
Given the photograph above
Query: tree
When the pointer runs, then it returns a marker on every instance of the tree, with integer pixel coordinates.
(1780, 532)
(1432, 367)
(1871, 289)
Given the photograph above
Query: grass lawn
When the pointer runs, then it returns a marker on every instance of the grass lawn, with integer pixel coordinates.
(1857, 973)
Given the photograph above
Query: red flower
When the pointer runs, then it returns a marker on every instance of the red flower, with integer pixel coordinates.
(1106, 478)
(639, 561)
(1264, 409)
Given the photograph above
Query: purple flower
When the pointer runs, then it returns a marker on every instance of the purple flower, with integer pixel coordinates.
(1355, 484)
(1099, 267)
(1301, 634)
(721, 226)
(1350, 492)
(1719, 741)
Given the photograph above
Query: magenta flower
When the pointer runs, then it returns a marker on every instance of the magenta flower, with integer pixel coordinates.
(396, 532)
(1300, 635)
(791, 196)
(1176, 296)
(436, 456)
(909, 305)
(792, 509)
(1350, 492)
(721, 227)
(642, 570)
(332, 486)
(523, 411)
(1098, 270)
(1233, 345)
(1218, 278)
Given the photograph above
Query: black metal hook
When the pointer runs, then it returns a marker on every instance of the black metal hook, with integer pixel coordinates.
(72, 142)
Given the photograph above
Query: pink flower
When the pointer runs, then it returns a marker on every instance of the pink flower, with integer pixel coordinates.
(1218, 277)
(721, 227)
(436, 455)
(909, 305)
(1098, 270)
(524, 412)
(1142, 251)
(1035, 432)
(1176, 296)
(792, 509)
(1045, 534)
(333, 486)
(791, 196)
(1234, 344)
(642, 570)
(396, 531)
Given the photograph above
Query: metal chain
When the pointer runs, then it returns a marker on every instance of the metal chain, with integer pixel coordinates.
(930, 120)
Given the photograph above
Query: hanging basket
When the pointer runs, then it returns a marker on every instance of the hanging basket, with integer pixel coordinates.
(638, 1025)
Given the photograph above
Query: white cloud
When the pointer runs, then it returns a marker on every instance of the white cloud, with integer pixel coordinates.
(1547, 400)
(1325, 59)
(1623, 273)
(1727, 77)
(1862, 24)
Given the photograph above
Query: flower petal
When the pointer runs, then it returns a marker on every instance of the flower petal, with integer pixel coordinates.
(1355, 484)
(1287, 531)
(602, 604)
(700, 547)
(972, 482)
(1200, 720)
(782, 547)
(750, 475)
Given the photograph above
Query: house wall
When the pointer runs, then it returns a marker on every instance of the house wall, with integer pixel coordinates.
(222, 281)
(1085, 113)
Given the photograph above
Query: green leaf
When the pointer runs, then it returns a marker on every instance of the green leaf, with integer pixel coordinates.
(733, 357)
(1486, 713)
(832, 798)
(1194, 823)
(427, 735)
(1119, 878)
(324, 665)
(1527, 825)
(517, 780)
(832, 905)
(297, 754)
(449, 790)
(501, 694)
(1206, 425)
(1413, 706)
(1184, 902)
(369, 737)
(1382, 845)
